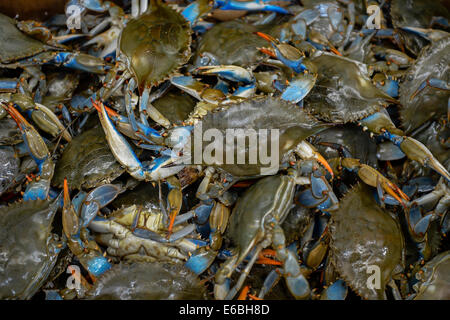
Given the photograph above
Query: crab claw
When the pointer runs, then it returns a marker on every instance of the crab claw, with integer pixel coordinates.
(35, 144)
(233, 73)
(307, 151)
(200, 260)
(337, 291)
(374, 178)
(254, 5)
(287, 54)
(416, 151)
(89, 254)
(97, 199)
(299, 87)
(71, 224)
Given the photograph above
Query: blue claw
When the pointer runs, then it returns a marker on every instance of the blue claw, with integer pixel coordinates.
(287, 54)
(98, 265)
(80, 61)
(422, 226)
(418, 224)
(36, 190)
(298, 286)
(336, 291)
(245, 91)
(388, 85)
(255, 5)
(97, 199)
(94, 5)
(299, 87)
(309, 16)
(200, 260)
(233, 73)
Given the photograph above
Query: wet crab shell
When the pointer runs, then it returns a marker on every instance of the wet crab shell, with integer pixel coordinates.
(270, 197)
(87, 162)
(232, 43)
(360, 145)
(435, 279)
(147, 281)
(28, 249)
(156, 44)
(9, 167)
(265, 114)
(417, 13)
(434, 61)
(363, 235)
(9, 132)
(343, 91)
(15, 44)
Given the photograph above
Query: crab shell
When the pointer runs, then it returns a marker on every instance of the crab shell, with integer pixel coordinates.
(87, 162)
(358, 143)
(9, 167)
(343, 91)
(363, 235)
(417, 13)
(232, 43)
(28, 249)
(435, 279)
(156, 44)
(147, 281)
(9, 132)
(265, 114)
(430, 103)
(271, 196)
(15, 44)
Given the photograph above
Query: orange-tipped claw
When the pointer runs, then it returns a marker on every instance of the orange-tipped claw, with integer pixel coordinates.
(244, 293)
(268, 52)
(18, 118)
(396, 192)
(262, 259)
(324, 163)
(335, 51)
(66, 193)
(266, 36)
(173, 215)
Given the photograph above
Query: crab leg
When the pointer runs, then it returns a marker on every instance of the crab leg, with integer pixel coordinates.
(287, 54)
(416, 151)
(89, 254)
(306, 151)
(432, 83)
(199, 8)
(36, 147)
(375, 179)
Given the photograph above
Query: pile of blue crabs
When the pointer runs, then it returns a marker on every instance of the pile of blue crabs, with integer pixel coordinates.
(96, 204)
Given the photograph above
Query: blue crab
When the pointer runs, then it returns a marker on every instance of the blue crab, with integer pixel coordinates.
(364, 235)
(27, 259)
(256, 224)
(344, 93)
(147, 281)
